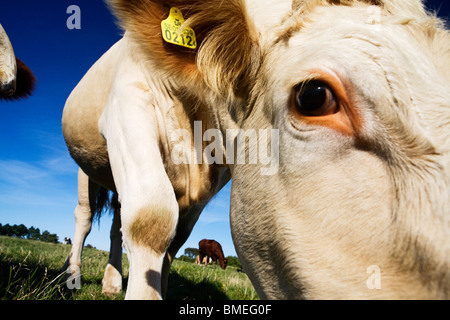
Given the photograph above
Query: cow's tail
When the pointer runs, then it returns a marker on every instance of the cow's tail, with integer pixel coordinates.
(105, 202)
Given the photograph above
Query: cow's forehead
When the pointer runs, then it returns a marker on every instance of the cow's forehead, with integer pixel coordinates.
(267, 14)
(355, 33)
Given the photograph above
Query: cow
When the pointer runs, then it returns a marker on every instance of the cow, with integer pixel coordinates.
(16, 79)
(342, 191)
(213, 250)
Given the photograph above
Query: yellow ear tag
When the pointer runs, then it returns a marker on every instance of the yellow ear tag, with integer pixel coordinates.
(170, 30)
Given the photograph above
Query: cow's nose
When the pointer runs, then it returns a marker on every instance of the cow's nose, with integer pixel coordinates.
(7, 89)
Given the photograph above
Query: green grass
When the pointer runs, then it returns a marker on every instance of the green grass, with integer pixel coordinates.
(188, 281)
(31, 270)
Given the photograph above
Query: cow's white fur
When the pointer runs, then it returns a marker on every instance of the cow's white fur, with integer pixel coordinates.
(266, 19)
(371, 191)
(131, 114)
(8, 66)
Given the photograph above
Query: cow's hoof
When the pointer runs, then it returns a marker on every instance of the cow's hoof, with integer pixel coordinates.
(112, 281)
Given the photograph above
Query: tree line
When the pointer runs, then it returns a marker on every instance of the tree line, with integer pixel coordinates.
(32, 233)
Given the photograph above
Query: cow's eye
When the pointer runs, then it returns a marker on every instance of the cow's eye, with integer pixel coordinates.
(314, 99)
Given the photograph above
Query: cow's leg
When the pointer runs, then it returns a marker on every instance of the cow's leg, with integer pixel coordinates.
(87, 191)
(112, 279)
(149, 218)
(149, 208)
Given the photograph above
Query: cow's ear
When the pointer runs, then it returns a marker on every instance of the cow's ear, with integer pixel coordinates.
(25, 81)
(226, 40)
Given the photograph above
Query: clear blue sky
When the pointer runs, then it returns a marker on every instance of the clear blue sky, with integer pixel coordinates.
(38, 185)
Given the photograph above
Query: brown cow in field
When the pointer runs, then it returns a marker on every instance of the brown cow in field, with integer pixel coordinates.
(212, 249)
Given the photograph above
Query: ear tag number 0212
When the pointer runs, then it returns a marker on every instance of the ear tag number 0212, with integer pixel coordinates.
(171, 30)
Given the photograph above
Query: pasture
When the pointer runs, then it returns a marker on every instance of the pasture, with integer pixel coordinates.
(31, 270)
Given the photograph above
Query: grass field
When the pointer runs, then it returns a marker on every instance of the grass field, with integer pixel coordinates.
(31, 270)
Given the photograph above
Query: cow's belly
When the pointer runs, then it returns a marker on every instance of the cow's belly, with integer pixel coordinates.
(81, 114)
(85, 143)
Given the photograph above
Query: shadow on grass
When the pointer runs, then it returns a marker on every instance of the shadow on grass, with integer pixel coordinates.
(19, 281)
(34, 280)
(180, 288)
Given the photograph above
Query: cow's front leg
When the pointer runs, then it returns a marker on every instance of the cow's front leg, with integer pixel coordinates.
(147, 234)
(149, 208)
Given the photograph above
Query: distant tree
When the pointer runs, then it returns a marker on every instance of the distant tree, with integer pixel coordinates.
(186, 258)
(49, 237)
(34, 233)
(233, 261)
(13, 230)
(7, 230)
(20, 231)
(191, 252)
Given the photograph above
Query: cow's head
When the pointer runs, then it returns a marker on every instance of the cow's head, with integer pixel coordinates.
(223, 263)
(16, 79)
(357, 94)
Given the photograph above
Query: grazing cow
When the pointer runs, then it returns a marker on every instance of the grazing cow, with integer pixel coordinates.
(213, 250)
(16, 79)
(349, 97)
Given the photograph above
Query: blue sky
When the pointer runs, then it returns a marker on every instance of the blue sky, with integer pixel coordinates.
(38, 179)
